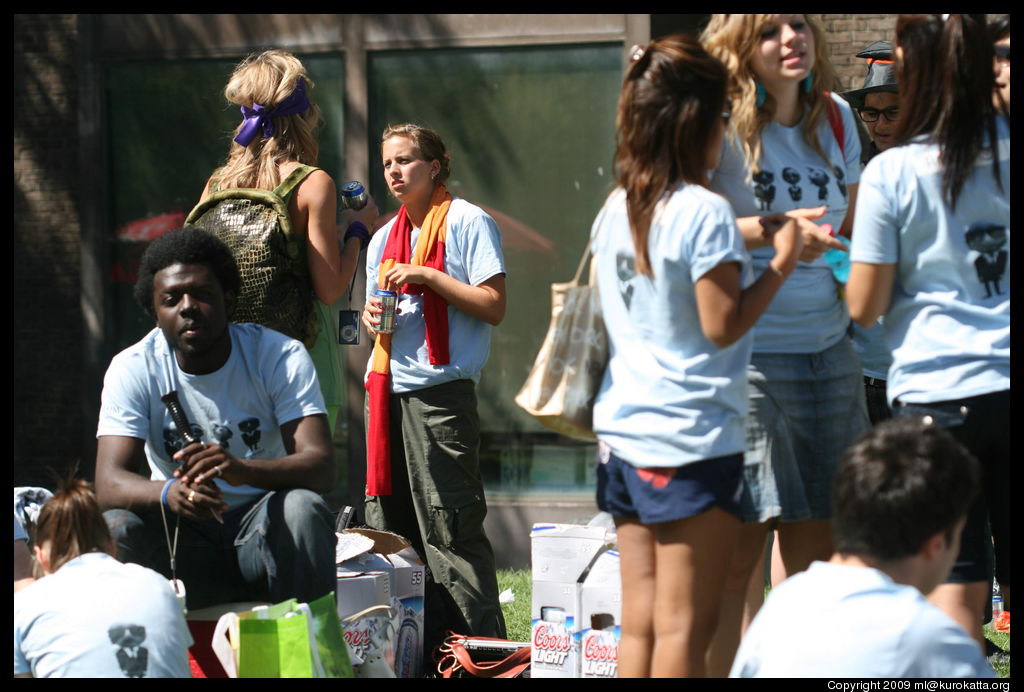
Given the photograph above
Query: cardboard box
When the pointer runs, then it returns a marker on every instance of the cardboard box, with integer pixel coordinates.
(561, 554)
(368, 559)
(600, 615)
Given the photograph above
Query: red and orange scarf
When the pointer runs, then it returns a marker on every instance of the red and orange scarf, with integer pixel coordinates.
(429, 253)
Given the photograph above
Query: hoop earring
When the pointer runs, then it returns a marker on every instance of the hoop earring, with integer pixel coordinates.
(761, 94)
(807, 83)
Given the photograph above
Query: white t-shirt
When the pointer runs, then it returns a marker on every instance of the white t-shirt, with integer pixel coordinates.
(669, 396)
(472, 255)
(806, 315)
(96, 617)
(949, 321)
(838, 621)
(267, 380)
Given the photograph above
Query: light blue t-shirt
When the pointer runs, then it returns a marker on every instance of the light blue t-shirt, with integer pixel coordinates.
(669, 396)
(949, 321)
(806, 315)
(96, 617)
(267, 380)
(472, 255)
(839, 621)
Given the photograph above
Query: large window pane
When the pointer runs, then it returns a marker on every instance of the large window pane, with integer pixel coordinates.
(531, 132)
(170, 127)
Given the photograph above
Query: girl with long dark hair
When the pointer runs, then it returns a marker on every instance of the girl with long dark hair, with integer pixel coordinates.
(678, 299)
(930, 252)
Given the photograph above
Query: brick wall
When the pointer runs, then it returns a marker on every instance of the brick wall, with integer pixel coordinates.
(848, 34)
(47, 319)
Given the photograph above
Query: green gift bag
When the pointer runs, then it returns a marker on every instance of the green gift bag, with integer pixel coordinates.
(286, 640)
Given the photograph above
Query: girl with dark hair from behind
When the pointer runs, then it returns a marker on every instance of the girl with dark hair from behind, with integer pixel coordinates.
(90, 615)
(670, 258)
(931, 252)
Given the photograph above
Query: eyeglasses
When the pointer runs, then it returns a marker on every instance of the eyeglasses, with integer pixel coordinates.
(1002, 54)
(870, 115)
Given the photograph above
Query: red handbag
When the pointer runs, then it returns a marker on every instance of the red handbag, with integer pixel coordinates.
(482, 657)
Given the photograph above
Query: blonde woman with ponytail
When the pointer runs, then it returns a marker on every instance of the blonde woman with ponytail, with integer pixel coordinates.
(277, 139)
(792, 149)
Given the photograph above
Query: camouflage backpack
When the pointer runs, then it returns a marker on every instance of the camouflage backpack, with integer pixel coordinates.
(276, 287)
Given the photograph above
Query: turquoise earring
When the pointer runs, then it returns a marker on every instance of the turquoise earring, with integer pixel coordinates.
(808, 82)
(761, 94)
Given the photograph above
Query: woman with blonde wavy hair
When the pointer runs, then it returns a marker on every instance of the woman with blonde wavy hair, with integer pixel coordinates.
(793, 149)
(275, 149)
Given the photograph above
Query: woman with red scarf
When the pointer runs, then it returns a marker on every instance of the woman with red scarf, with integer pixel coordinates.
(442, 256)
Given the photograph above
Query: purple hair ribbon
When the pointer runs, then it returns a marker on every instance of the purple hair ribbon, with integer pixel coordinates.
(258, 117)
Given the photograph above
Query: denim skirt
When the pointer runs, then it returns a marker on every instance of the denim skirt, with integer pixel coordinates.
(805, 409)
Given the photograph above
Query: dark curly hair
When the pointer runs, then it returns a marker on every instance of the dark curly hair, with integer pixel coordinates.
(901, 483)
(186, 245)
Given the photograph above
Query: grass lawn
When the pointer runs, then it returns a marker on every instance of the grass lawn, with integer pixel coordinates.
(517, 615)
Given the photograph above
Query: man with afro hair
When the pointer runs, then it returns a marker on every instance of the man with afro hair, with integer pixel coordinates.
(231, 488)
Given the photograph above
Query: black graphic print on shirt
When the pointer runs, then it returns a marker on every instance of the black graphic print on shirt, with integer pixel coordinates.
(221, 434)
(625, 268)
(764, 190)
(792, 176)
(841, 182)
(988, 240)
(132, 657)
(174, 442)
(820, 178)
(250, 428)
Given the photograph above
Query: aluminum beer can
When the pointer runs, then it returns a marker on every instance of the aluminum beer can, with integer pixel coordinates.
(353, 195)
(388, 303)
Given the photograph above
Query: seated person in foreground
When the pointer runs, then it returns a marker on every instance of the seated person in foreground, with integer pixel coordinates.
(92, 616)
(900, 496)
(240, 501)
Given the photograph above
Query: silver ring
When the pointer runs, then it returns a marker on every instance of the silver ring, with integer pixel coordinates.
(219, 471)
(192, 496)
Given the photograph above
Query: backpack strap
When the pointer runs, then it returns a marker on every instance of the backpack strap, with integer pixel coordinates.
(835, 121)
(288, 185)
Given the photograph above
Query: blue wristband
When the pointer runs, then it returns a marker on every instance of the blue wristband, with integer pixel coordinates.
(163, 493)
(356, 229)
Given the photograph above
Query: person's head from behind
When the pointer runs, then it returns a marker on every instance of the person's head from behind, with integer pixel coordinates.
(669, 127)
(944, 65)
(70, 524)
(262, 83)
(903, 491)
(1000, 31)
(188, 281)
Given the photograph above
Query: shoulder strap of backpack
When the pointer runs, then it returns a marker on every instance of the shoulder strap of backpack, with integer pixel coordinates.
(835, 121)
(288, 185)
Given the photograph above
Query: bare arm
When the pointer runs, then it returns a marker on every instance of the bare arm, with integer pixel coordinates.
(727, 312)
(869, 291)
(486, 301)
(119, 484)
(309, 462)
(816, 239)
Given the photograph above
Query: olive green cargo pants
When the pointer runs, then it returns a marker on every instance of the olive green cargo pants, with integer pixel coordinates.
(438, 505)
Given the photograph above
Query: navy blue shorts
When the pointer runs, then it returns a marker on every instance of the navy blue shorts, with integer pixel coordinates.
(656, 495)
